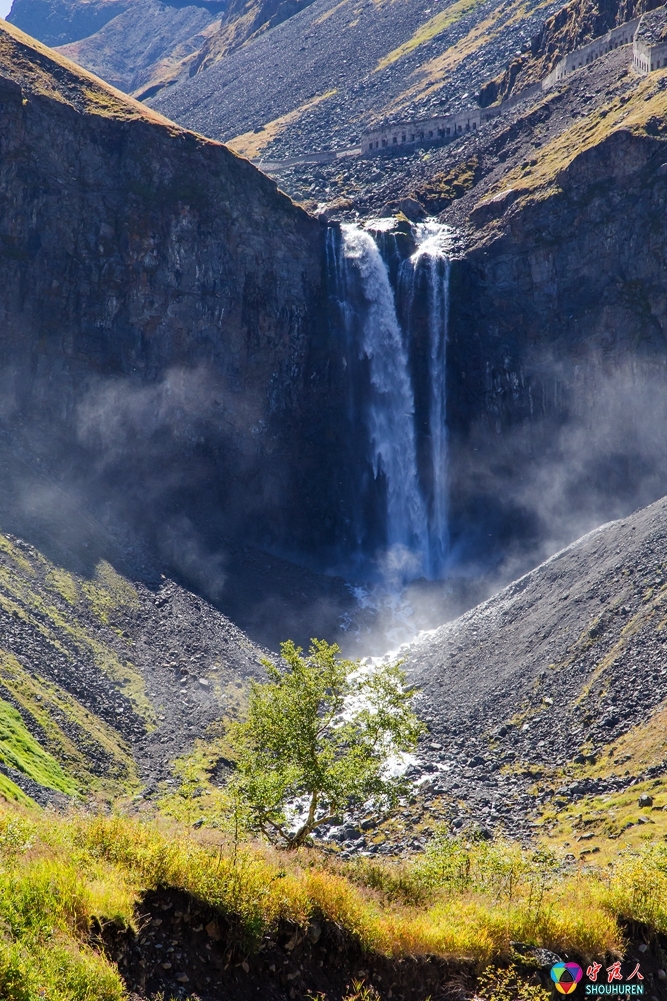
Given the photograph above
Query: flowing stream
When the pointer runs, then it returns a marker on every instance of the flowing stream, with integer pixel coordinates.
(392, 291)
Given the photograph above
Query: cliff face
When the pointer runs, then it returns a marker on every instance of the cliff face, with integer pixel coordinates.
(159, 304)
(558, 335)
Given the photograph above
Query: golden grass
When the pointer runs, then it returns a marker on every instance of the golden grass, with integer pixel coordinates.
(431, 75)
(647, 102)
(475, 918)
(608, 826)
(329, 13)
(428, 30)
(32, 65)
(251, 144)
(58, 874)
(56, 604)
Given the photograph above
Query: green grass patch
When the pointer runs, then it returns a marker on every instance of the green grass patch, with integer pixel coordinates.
(57, 604)
(92, 755)
(434, 26)
(458, 900)
(20, 750)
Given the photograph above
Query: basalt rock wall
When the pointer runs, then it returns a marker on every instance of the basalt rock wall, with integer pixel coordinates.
(557, 351)
(161, 334)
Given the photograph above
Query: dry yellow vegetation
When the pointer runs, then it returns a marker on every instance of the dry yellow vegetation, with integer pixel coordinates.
(251, 144)
(647, 103)
(457, 900)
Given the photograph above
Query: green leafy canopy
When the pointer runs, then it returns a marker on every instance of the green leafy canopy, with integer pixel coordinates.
(322, 729)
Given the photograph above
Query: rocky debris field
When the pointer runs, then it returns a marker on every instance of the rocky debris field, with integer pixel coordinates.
(126, 671)
(315, 81)
(540, 679)
(447, 181)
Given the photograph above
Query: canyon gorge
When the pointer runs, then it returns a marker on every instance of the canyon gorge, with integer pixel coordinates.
(411, 403)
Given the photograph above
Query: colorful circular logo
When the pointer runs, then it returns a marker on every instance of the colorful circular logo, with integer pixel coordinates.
(566, 976)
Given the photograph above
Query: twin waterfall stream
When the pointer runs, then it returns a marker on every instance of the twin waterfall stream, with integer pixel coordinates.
(390, 287)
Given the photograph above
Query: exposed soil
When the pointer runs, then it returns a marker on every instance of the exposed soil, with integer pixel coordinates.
(184, 949)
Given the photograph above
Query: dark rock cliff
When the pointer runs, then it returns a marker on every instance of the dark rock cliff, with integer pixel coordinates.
(558, 347)
(160, 305)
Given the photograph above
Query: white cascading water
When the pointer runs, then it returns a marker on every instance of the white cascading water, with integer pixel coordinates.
(433, 241)
(391, 407)
(416, 524)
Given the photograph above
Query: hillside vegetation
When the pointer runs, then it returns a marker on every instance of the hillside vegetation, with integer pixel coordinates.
(373, 59)
(69, 887)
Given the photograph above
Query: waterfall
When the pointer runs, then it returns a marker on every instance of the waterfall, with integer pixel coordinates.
(393, 305)
(433, 241)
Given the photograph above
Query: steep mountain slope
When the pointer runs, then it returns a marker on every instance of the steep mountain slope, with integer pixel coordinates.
(147, 45)
(553, 692)
(56, 22)
(104, 681)
(144, 46)
(316, 80)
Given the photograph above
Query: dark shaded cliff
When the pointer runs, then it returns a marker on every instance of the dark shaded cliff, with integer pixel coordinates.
(161, 318)
(558, 334)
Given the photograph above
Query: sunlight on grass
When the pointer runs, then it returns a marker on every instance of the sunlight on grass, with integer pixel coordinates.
(457, 900)
(428, 30)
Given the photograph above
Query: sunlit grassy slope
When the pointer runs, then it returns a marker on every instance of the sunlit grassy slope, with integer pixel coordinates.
(643, 112)
(467, 901)
(602, 826)
(46, 733)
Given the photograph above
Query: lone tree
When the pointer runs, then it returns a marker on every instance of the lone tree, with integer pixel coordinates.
(319, 735)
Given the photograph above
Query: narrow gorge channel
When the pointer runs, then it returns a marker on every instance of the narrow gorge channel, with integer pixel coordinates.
(389, 290)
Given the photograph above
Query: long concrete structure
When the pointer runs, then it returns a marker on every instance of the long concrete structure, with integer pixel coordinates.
(416, 131)
(649, 53)
(622, 35)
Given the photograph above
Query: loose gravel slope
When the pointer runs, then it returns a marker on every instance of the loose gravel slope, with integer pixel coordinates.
(317, 79)
(531, 695)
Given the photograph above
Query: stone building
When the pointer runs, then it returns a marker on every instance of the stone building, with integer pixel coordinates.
(649, 50)
(647, 34)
